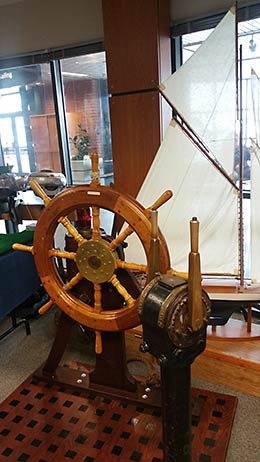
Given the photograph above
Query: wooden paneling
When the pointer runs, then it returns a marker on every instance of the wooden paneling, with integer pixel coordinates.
(137, 43)
(45, 139)
(39, 127)
(227, 373)
(136, 33)
(135, 137)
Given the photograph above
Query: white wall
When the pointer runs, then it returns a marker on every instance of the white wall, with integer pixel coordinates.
(183, 10)
(33, 25)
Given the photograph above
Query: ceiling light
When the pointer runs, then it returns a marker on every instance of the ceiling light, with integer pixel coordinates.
(75, 74)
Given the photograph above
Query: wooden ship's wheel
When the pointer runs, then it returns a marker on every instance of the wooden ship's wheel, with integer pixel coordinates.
(96, 258)
(174, 327)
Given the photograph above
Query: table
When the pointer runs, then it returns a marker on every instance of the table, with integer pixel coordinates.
(18, 280)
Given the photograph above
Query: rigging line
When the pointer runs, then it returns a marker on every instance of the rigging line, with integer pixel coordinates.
(241, 172)
(199, 143)
(236, 63)
(211, 158)
(256, 150)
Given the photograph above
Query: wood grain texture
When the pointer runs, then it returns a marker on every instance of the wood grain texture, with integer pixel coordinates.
(137, 35)
(135, 137)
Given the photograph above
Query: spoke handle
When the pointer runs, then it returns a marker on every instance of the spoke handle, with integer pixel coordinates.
(45, 307)
(39, 191)
(161, 200)
(25, 248)
(98, 342)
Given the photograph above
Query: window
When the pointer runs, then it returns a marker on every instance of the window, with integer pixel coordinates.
(33, 136)
(84, 81)
(26, 99)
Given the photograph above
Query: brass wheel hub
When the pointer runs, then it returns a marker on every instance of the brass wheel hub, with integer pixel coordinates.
(95, 261)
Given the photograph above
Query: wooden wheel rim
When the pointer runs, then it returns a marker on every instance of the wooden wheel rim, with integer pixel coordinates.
(61, 205)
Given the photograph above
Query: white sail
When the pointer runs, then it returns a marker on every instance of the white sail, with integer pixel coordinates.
(255, 216)
(206, 195)
(203, 91)
(255, 182)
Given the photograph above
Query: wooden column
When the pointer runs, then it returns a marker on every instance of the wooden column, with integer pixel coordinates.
(137, 43)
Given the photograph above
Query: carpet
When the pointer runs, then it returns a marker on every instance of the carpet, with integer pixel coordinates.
(42, 422)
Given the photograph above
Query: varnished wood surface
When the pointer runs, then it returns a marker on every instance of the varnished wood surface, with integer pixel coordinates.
(56, 210)
(143, 49)
(136, 137)
(231, 375)
(234, 331)
(244, 353)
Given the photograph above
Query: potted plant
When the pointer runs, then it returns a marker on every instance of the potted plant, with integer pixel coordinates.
(81, 143)
(80, 159)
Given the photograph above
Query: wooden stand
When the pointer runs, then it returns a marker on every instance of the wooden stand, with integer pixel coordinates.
(235, 330)
(226, 298)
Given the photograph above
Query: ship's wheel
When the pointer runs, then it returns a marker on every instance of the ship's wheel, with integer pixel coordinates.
(96, 259)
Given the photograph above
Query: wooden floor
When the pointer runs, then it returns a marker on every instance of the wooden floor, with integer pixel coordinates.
(232, 363)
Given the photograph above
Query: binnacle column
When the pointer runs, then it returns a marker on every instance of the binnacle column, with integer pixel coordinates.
(174, 314)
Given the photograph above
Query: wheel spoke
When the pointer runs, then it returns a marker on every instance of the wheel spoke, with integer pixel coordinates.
(96, 224)
(39, 191)
(72, 230)
(98, 342)
(46, 307)
(94, 169)
(181, 274)
(120, 238)
(25, 248)
(164, 197)
(97, 298)
(64, 220)
(62, 254)
(73, 282)
(131, 266)
(122, 291)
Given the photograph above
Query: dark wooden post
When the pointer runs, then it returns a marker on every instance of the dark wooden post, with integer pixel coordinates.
(137, 43)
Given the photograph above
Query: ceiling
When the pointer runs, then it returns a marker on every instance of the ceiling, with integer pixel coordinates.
(92, 66)
(8, 2)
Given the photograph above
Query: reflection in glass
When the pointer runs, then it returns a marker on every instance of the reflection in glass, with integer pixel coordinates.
(28, 132)
(87, 113)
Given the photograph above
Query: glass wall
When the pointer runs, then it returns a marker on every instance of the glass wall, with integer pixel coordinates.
(84, 81)
(29, 121)
(28, 136)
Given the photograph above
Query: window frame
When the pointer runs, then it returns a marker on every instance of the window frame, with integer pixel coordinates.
(53, 57)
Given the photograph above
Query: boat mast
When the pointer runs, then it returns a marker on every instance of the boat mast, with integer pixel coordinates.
(239, 102)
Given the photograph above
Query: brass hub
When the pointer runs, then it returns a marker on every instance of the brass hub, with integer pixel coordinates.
(95, 261)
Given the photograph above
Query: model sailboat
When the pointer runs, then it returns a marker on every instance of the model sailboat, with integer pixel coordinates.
(196, 157)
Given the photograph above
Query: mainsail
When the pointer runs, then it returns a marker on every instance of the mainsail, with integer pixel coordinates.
(203, 93)
(203, 90)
